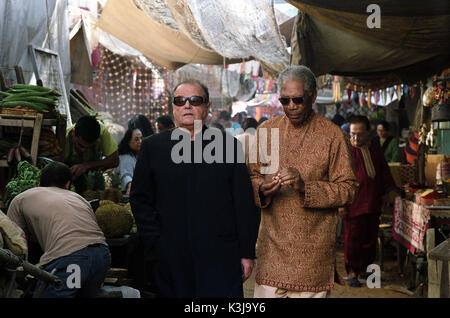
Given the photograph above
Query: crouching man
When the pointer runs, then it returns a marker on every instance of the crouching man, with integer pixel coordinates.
(65, 226)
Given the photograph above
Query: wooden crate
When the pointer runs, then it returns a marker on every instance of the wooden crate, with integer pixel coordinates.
(18, 112)
(439, 270)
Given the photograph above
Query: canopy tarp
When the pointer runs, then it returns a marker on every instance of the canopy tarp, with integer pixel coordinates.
(173, 33)
(42, 23)
(333, 37)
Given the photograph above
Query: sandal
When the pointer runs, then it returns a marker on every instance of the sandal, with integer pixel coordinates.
(353, 282)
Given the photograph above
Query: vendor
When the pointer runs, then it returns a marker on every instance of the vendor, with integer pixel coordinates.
(89, 146)
(388, 143)
(65, 226)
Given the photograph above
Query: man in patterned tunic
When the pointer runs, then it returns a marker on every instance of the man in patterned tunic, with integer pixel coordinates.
(300, 201)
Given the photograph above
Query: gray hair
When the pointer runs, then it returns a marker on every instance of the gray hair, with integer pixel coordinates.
(193, 82)
(298, 73)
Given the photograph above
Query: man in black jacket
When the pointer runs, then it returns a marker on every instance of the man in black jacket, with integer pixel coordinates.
(197, 213)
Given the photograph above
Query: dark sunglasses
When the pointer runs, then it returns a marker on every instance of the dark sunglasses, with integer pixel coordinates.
(286, 100)
(193, 100)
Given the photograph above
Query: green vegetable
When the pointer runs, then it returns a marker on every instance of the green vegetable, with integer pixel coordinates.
(114, 220)
(14, 95)
(35, 88)
(33, 99)
(95, 180)
(28, 177)
(5, 93)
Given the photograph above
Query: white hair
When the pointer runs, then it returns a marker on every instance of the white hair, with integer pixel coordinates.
(298, 73)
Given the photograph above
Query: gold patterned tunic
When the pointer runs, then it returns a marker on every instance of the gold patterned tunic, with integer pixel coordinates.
(296, 243)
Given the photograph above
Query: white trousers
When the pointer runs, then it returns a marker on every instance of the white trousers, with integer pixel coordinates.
(264, 291)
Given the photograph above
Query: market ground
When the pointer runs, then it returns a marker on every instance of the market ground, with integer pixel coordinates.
(393, 284)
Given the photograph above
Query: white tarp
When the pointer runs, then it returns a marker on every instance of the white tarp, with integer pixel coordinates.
(42, 23)
(177, 32)
(241, 29)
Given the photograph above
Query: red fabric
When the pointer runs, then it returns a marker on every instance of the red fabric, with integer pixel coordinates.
(368, 199)
(360, 241)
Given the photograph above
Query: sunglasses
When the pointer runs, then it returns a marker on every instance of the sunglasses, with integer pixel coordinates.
(193, 100)
(286, 100)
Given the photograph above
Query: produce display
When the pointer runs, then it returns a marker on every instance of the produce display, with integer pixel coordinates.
(16, 154)
(48, 144)
(95, 184)
(41, 99)
(114, 220)
(112, 194)
(134, 227)
(5, 147)
(27, 177)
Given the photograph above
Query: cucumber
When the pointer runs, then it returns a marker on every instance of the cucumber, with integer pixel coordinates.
(36, 88)
(31, 99)
(28, 93)
(5, 93)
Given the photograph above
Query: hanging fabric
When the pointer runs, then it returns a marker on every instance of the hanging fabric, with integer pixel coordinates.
(336, 89)
(361, 99)
(376, 96)
(383, 96)
(399, 92)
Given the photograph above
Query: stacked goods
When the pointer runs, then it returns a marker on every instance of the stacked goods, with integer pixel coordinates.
(27, 177)
(48, 144)
(113, 192)
(428, 197)
(16, 154)
(114, 220)
(95, 185)
(442, 202)
(41, 99)
(134, 227)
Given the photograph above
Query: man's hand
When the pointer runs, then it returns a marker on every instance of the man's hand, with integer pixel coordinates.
(128, 189)
(291, 176)
(342, 212)
(270, 185)
(247, 267)
(78, 169)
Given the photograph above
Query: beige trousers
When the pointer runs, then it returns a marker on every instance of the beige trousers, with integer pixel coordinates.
(264, 291)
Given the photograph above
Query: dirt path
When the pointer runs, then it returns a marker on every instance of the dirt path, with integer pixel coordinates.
(393, 285)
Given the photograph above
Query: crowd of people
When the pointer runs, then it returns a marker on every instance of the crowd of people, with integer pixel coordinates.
(207, 223)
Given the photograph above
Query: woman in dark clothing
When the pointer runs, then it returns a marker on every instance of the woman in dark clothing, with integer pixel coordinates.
(142, 123)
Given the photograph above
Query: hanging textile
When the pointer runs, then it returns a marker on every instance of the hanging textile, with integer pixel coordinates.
(336, 89)
(124, 86)
(383, 96)
(399, 92)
